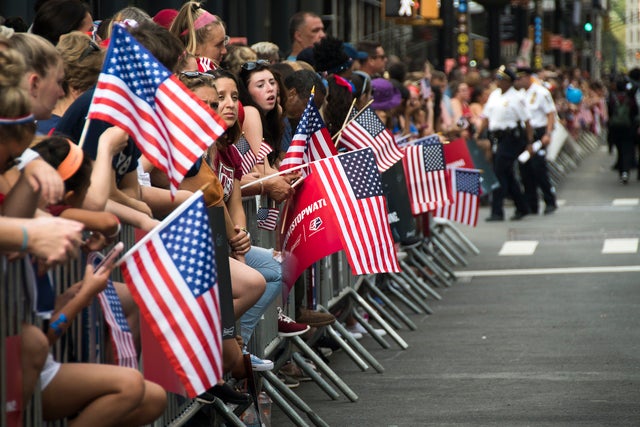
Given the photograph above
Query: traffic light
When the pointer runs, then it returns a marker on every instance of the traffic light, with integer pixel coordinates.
(588, 26)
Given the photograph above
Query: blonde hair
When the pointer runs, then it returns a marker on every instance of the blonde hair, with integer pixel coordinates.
(184, 26)
(82, 61)
(238, 55)
(14, 101)
(39, 54)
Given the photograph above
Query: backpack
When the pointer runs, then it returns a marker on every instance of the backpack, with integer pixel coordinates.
(621, 115)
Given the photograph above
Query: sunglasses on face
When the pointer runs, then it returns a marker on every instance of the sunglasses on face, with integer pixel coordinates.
(252, 65)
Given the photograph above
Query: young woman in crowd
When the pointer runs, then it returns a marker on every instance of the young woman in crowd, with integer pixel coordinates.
(202, 34)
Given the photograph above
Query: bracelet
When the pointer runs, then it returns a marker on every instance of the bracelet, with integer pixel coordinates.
(114, 235)
(58, 324)
(25, 239)
(27, 157)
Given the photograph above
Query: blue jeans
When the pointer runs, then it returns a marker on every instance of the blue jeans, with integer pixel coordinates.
(261, 259)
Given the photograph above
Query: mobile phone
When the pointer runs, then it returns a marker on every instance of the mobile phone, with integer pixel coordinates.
(98, 260)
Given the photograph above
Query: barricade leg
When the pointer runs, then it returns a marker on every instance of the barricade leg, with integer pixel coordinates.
(450, 228)
(435, 271)
(283, 404)
(398, 287)
(324, 368)
(383, 343)
(443, 243)
(376, 317)
(419, 283)
(388, 317)
(391, 305)
(356, 345)
(345, 340)
(307, 369)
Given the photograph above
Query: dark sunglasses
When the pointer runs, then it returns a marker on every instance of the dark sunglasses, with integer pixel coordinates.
(196, 74)
(93, 47)
(252, 65)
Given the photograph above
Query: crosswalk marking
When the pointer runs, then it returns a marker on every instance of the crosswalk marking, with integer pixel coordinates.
(620, 246)
(518, 247)
(626, 202)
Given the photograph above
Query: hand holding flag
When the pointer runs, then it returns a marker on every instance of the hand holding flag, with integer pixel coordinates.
(170, 125)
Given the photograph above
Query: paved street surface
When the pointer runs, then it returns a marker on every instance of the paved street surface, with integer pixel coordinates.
(542, 328)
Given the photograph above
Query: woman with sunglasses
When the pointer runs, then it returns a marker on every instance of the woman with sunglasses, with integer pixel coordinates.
(202, 33)
(82, 59)
(222, 159)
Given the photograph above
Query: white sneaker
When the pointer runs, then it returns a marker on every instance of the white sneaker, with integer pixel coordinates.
(356, 335)
(358, 328)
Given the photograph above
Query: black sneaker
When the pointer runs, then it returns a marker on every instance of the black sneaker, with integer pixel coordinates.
(494, 218)
(550, 209)
(517, 216)
(226, 393)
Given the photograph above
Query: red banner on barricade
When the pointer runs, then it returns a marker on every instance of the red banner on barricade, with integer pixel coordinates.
(13, 381)
(456, 154)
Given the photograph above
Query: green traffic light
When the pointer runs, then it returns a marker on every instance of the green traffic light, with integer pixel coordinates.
(588, 27)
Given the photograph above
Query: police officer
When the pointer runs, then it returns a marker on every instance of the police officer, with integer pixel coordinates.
(507, 119)
(542, 111)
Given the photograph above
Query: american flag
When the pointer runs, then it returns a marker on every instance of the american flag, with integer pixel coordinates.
(367, 130)
(311, 141)
(466, 197)
(424, 168)
(172, 276)
(353, 187)
(249, 159)
(205, 64)
(123, 346)
(170, 125)
(267, 218)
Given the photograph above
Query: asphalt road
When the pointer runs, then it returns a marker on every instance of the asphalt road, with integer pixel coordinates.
(542, 328)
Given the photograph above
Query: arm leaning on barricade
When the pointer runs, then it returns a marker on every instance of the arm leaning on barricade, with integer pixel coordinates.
(54, 240)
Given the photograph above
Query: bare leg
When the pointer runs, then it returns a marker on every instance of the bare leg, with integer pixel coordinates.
(103, 395)
(247, 286)
(35, 347)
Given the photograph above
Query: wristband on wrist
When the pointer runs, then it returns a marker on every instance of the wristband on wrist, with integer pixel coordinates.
(27, 157)
(57, 326)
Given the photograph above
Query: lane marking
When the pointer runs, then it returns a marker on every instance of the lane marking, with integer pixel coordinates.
(620, 246)
(549, 271)
(518, 247)
(626, 202)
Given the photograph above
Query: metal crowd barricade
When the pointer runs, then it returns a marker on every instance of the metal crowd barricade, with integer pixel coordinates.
(15, 310)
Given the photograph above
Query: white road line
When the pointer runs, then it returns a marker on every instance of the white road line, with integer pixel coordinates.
(626, 202)
(548, 271)
(620, 246)
(518, 247)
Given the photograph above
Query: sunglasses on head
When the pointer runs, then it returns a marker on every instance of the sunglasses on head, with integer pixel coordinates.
(252, 65)
(93, 47)
(195, 74)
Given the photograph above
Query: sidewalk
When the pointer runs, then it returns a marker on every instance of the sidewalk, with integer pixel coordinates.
(558, 348)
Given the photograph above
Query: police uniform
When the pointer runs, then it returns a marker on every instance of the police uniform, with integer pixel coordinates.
(533, 173)
(505, 113)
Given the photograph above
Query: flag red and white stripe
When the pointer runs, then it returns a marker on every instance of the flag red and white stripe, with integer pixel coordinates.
(367, 130)
(424, 168)
(311, 141)
(178, 294)
(354, 190)
(466, 197)
(124, 348)
(170, 125)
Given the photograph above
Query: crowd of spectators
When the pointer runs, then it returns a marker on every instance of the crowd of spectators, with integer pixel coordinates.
(53, 191)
